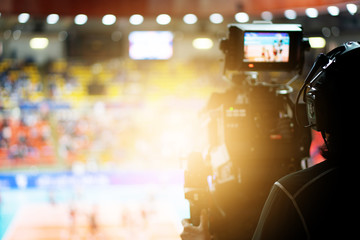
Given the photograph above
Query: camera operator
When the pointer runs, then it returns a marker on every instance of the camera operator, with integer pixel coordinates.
(320, 202)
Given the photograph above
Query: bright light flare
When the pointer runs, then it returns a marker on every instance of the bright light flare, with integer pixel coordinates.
(174, 141)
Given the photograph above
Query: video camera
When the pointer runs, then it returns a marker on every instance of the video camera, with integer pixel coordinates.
(253, 138)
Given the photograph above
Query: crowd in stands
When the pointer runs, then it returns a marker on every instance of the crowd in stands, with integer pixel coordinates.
(98, 114)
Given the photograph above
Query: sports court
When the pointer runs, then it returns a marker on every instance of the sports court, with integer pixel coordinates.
(93, 212)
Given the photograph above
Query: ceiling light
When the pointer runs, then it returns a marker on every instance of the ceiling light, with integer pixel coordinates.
(39, 43)
(267, 16)
(290, 14)
(216, 18)
(80, 19)
(163, 19)
(108, 19)
(52, 18)
(242, 17)
(190, 18)
(333, 10)
(23, 17)
(352, 8)
(136, 19)
(17, 34)
(62, 36)
(312, 12)
(326, 31)
(116, 36)
(203, 43)
(335, 31)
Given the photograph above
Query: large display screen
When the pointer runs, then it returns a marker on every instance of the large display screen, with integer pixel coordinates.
(150, 45)
(266, 47)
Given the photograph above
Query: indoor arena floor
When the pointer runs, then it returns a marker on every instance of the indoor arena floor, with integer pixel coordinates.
(146, 212)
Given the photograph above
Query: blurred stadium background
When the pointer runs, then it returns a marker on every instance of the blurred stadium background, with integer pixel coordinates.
(100, 102)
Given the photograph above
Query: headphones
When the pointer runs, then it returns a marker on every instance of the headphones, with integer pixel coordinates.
(322, 83)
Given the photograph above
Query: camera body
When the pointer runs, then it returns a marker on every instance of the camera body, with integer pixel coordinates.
(253, 138)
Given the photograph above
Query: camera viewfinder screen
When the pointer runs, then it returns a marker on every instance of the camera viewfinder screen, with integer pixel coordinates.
(266, 47)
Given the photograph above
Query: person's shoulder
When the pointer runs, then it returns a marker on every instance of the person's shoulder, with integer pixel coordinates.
(297, 180)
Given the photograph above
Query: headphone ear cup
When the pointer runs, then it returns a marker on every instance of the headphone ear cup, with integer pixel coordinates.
(318, 109)
(311, 109)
